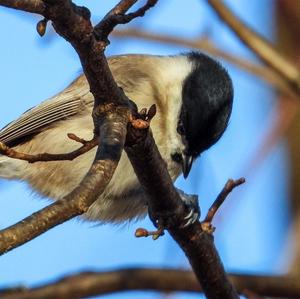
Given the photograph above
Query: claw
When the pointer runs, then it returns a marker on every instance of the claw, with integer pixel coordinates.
(189, 222)
(189, 215)
(191, 202)
(195, 217)
(191, 218)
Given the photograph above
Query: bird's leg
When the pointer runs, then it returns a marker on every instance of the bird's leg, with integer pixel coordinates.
(192, 203)
(192, 207)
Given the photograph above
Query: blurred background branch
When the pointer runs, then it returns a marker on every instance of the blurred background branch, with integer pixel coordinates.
(91, 283)
(205, 44)
(260, 46)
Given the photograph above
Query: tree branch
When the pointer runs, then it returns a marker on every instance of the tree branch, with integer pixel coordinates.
(86, 146)
(87, 284)
(117, 16)
(121, 8)
(111, 114)
(229, 186)
(112, 137)
(170, 213)
(34, 6)
(259, 45)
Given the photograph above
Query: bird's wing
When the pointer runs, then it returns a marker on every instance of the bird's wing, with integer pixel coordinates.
(76, 98)
(71, 101)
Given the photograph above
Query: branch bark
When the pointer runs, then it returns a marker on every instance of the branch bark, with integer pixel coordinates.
(168, 211)
(111, 114)
(112, 138)
(34, 6)
(87, 284)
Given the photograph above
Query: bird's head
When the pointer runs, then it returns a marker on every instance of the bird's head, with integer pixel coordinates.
(207, 96)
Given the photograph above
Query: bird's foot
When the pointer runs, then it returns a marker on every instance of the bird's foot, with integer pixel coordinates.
(192, 204)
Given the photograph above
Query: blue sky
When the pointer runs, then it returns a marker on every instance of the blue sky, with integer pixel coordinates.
(252, 225)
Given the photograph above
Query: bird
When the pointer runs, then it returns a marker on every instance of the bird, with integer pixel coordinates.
(193, 94)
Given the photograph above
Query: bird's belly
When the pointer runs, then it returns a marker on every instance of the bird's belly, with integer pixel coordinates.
(123, 198)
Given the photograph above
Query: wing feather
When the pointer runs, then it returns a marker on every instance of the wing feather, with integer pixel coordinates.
(71, 101)
(139, 70)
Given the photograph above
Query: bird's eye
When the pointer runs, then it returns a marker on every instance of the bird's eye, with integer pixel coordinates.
(180, 128)
(176, 157)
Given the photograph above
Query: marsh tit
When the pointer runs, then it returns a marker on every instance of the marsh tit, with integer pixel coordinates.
(193, 94)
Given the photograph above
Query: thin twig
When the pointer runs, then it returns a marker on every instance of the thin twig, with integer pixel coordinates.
(73, 23)
(87, 146)
(121, 8)
(170, 213)
(117, 16)
(142, 232)
(110, 114)
(229, 186)
(113, 129)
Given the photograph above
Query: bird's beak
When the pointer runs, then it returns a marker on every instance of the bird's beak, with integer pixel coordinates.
(187, 162)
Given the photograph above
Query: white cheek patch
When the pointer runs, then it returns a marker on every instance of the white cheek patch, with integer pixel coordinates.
(176, 72)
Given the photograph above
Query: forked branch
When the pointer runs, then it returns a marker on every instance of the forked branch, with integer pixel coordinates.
(118, 16)
(111, 114)
(80, 199)
(43, 157)
(170, 213)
